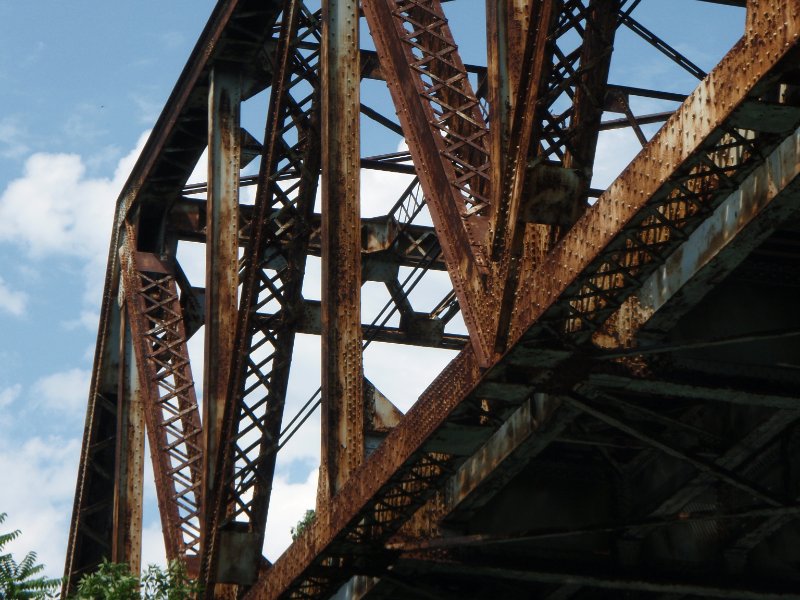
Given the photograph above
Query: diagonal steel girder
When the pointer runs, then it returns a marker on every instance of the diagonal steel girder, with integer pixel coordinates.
(170, 405)
(447, 138)
(165, 164)
(557, 97)
(274, 263)
(667, 192)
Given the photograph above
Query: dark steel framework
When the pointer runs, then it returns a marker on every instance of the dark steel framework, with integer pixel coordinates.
(622, 415)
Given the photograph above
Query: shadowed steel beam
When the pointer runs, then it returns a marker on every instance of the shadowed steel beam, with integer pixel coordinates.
(90, 536)
(222, 258)
(556, 300)
(129, 469)
(340, 240)
(528, 431)
(718, 391)
(621, 583)
(767, 198)
(707, 468)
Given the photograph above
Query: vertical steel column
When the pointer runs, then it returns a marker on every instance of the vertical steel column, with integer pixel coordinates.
(505, 28)
(129, 469)
(222, 223)
(272, 271)
(342, 369)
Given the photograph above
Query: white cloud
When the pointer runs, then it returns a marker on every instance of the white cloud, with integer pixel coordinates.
(153, 552)
(13, 302)
(288, 504)
(40, 484)
(87, 320)
(616, 148)
(12, 138)
(9, 394)
(64, 391)
(381, 189)
(55, 210)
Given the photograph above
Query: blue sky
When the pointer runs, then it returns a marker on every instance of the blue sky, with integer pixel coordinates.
(81, 84)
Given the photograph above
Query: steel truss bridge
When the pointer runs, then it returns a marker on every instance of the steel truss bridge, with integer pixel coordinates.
(622, 418)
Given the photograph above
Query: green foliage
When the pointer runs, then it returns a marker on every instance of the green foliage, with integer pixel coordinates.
(303, 524)
(22, 580)
(172, 584)
(111, 581)
(114, 581)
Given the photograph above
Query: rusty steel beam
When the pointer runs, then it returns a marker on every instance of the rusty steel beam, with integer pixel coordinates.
(506, 23)
(448, 140)
(424, 330)
(407, 242)
(724, 391)
(767, 198)
(551, 148)
(93, 516)
(272, 276)
(342, 367)
(222, 255)
(129, 468)
(574, 289)
(528, 431)
(170, 407)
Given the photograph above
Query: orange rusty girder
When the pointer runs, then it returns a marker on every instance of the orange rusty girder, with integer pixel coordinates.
(703, 152)
(170, 405)
(563, 300)
(274, 262)
(340, 240)
(448, 140)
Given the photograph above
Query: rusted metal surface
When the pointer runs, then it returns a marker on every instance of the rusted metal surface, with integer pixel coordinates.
(342, 369)
(271, 279)
(92, 524)
(666, 192)
(129, 461)
(222, 255)
(648, 438)
(447, 138)
(169, 403)
(393, 237)
(425, 331)
(569, 264)
(551, 151)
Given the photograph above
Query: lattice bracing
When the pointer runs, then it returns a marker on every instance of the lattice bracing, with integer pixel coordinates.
(171, 412)
(613, 413)
(271, 274)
